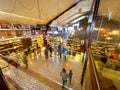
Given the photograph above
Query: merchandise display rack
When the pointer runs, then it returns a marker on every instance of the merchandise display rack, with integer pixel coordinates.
(37, 40)
(8, 46)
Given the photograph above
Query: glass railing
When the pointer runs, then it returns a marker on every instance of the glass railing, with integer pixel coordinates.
(90, 79)
(94, 77)
(107, 64)
(98, 75)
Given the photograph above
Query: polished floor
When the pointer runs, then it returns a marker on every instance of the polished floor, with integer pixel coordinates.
(44, 74)
(50, 68)
(47, 71)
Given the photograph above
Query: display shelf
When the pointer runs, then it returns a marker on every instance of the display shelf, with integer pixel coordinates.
(16, 38)
(22, 37)
(37, 40)
(9, 46)
(16, 57)
(8, 49)
(7, 29)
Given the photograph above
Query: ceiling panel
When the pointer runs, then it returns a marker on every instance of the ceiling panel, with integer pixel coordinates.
(49, 9)
(29, 8)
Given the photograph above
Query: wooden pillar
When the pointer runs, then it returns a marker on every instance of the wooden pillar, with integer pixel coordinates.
(26, 42)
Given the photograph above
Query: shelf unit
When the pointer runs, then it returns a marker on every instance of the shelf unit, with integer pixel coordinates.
(9, 34)
(7, 29)
(37, 40)
(7, 46)
(16, 38)
(23, 35)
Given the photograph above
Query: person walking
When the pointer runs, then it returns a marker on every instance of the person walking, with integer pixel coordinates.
(25, 60)
(70, 76)
(64, 77)
(55, 49)
(64, 51)
(50, 48)
(39, 50)
(35, 54)
(60, 51)
(46, 52)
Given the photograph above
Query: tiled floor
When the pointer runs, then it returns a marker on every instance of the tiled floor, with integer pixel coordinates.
(50, 68)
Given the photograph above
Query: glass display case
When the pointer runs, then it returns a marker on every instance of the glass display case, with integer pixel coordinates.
(22, 79)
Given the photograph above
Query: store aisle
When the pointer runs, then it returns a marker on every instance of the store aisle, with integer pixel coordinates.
(50, 68)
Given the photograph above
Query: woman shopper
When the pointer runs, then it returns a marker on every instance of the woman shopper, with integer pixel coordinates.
(64, 77)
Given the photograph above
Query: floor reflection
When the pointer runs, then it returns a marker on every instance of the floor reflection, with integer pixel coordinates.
(51, 68)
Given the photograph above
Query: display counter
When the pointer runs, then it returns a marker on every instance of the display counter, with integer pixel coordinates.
(23, 80)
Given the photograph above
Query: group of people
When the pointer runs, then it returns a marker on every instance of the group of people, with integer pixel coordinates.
(59, 50)
(62, 51)
(48, 48)
(66, 77)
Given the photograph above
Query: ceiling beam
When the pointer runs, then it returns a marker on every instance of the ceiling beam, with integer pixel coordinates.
(64, 11)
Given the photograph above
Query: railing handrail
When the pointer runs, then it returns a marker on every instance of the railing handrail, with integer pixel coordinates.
(94, 71)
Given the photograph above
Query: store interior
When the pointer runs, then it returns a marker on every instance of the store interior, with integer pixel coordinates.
(88, 31)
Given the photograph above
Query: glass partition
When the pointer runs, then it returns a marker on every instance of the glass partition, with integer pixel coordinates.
(106, 51)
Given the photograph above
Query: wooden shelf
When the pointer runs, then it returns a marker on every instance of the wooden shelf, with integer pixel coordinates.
(17, 38)
(14, 38)
(7, 29)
